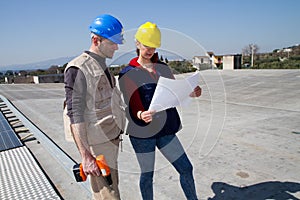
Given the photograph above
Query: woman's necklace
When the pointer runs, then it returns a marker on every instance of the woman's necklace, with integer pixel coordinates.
(148, 67)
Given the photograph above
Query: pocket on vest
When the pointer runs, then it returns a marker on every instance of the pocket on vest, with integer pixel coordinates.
(102, 130)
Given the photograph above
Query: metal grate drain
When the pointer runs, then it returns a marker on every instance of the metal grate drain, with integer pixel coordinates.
(22, 178)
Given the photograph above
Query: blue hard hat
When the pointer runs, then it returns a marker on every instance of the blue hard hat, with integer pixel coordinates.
(108, 27)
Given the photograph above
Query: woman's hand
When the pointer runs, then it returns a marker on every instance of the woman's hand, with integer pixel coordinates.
(197, 92)
(146, 116)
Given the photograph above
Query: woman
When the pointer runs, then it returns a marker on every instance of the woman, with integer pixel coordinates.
(147, 129)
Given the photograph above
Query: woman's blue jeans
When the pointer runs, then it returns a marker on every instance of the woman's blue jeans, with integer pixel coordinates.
(171, 148)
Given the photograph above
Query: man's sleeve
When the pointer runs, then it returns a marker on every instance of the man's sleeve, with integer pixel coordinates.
(75, 89)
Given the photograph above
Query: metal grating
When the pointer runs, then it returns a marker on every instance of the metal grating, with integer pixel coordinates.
(22, 178)
(8, 138)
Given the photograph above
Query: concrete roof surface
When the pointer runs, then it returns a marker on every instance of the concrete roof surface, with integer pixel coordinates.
(242, 137)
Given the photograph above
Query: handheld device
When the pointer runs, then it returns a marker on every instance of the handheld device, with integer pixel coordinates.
(101, 163)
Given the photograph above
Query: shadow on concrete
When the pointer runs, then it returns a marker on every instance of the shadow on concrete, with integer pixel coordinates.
(267, 190)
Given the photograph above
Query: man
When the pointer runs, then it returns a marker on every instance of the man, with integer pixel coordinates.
(94, 105)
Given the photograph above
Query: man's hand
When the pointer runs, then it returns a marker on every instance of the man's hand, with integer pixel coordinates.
(90, 166)
(88, 160)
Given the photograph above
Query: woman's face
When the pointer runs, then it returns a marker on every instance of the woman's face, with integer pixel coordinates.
(145, 51)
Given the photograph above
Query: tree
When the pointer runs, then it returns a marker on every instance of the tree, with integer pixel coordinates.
(161, 58)
(251, 49)
(22, 73)
(53, 69)
(179, 67)
(9, 73)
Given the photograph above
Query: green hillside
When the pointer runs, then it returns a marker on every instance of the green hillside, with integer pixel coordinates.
(286, 58)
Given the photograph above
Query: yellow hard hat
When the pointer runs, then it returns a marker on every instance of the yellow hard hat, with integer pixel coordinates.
(149, 35)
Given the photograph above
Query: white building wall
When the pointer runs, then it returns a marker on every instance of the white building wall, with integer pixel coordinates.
(36, 79)
(228, 62)
(201, 60)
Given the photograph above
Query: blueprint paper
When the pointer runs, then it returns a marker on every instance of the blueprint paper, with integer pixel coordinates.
(171, 93)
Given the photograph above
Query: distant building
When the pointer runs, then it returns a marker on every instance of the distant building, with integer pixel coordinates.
(211, 61)
(114, 66)
(204, 62)
(201, 60)
(48, 78)
(218, 60)
(232, 62)
(18, 79)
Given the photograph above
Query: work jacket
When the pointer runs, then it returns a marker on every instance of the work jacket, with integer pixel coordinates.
(104, 115)
(138, 87)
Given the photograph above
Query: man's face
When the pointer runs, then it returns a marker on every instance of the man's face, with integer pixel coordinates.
(107, 48)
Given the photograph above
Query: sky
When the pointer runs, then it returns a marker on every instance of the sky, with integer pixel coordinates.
(38, 30)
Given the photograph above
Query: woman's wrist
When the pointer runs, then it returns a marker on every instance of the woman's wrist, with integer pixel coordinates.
(139, 114)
